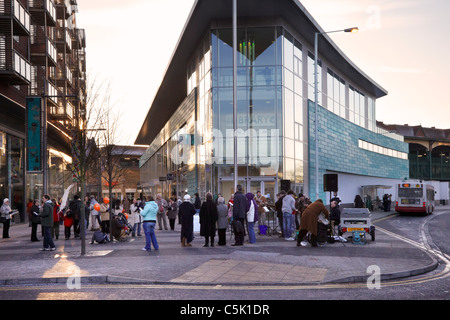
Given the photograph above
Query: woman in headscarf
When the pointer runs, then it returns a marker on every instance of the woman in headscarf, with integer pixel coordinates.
(222, 222)
(187, 213)
(208, 219)
(5, 213)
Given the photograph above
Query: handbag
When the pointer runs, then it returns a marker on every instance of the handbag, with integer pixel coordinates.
(237, 226)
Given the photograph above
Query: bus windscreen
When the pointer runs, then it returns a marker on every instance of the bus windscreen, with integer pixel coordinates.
(410, 192)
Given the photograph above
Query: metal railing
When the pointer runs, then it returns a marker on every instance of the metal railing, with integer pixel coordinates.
(11, 60)
(21, 14)
(44, 4)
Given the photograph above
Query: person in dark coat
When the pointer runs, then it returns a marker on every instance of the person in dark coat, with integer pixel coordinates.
(239, 214)
(35, 220)
(335, 213)
(47, 223)
(208, 220)
(278, 206)
(187, 212)
(358, 202)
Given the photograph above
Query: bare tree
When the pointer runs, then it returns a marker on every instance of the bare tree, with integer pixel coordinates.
(86, 137)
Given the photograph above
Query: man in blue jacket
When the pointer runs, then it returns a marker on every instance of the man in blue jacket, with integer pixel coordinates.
(239, 215)
(149, 217)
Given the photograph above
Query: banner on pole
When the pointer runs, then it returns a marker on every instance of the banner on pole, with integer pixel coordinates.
(34, 135)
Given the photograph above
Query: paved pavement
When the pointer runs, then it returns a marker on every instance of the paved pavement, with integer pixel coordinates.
(271, 261)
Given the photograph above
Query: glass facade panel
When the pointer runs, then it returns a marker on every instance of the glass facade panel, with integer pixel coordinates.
(288, 114)
(224, 48)
(288, 46)
(263, 107)
(223, 77)
(12, 170)
(289, 172)
(298, 109)
(262, 76)
(358, 103)
(263, 44)
(288, 79)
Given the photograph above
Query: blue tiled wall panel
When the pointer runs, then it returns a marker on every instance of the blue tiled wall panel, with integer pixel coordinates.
(339, 150)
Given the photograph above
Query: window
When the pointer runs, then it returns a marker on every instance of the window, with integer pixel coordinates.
(382, 150)
(2, 52)
(288, 51)
(371, 114)
(298, 63)
(357, 106)
(336, 94)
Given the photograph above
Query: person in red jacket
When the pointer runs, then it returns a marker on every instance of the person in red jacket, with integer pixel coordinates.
(68, 223)
(55, 228)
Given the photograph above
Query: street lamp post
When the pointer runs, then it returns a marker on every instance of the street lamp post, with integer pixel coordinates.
(235, 93)
(316, 98)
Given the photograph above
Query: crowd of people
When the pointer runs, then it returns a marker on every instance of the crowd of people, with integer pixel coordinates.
(297, 217)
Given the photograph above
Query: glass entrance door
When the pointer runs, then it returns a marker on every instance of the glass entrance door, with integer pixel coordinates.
(267, 186)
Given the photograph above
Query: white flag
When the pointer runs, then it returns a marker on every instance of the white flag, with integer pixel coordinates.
(65, 197)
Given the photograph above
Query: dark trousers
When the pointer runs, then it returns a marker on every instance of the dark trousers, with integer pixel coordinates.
(6, 225)
(222, 237)
(207, 238)
(67, 232)
(76, 227)
(34, 232)
(48, 241)
(239, 236)
(172, 224)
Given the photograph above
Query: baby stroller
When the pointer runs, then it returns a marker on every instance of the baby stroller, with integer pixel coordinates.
(124, 220)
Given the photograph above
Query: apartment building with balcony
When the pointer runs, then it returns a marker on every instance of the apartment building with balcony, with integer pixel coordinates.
(42, 55)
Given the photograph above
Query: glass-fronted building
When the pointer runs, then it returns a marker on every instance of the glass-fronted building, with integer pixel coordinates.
(191, 140)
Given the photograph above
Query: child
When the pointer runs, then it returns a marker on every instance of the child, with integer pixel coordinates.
(68, 222)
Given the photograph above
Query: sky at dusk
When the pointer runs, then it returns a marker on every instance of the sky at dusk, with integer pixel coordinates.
(403, 45)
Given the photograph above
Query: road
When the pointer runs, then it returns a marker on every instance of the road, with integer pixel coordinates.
(430, 232)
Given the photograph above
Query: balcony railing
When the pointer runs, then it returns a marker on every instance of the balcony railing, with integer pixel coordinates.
(38, 6)
(13, 66)
(21, 17)
(22, 66)
(43, 50)
(63, 9)
(63, 38)
(52, 52)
